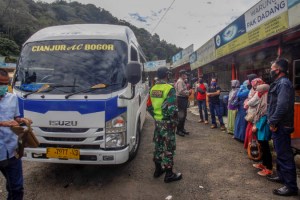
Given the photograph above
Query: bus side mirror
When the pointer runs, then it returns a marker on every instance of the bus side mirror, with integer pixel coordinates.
(133, 72)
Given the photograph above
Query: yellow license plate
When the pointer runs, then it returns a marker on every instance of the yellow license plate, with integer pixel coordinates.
(64, 153)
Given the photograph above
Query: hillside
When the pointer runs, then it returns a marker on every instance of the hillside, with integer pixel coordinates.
(21, 18)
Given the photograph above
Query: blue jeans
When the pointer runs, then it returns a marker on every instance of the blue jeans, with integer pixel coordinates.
(14, 178)
(215, 109)
(202, 106)
(286, 168)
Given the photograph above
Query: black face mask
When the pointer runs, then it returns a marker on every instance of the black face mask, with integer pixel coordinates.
(201, 81)
(249, 87)
(273, 75)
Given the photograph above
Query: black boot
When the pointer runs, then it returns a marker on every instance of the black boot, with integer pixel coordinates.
(171, 176)
(180, 133)
(185, 132)
(158, 170)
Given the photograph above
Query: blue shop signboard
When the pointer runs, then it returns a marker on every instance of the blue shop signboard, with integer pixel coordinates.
(232, 31)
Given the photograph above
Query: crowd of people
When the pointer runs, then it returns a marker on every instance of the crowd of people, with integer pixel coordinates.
(264, 112)
(257, 113)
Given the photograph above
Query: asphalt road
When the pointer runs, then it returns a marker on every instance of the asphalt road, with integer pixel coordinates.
(214, 166)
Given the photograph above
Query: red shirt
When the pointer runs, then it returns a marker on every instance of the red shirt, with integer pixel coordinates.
(199, 95)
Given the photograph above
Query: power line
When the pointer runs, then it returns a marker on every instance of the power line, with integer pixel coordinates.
(163, 16)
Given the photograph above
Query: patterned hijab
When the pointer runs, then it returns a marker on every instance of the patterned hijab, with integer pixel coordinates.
(261, 109)
(256, 82)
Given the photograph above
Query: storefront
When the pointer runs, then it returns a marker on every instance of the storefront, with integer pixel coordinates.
(221, 70)
(291, 50)
(249, 45)
(175, 71)
(257, 60)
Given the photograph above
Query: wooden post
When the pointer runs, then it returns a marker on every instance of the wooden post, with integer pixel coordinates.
(233, 74)
(200, 73)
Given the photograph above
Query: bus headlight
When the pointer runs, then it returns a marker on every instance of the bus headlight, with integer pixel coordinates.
(115, 132)
(114, 140)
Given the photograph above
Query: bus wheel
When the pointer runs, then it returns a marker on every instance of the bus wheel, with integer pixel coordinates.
(136, 146)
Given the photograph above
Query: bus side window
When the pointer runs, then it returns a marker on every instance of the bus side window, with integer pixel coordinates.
(134, 54)
(144, 74)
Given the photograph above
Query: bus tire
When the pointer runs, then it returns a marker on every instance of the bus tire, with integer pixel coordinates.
(135, 148)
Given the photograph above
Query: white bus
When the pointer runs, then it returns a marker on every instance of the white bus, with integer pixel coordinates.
(82, 85)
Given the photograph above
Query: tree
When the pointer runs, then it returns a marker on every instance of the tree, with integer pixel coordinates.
(8, 47)
(19, 19)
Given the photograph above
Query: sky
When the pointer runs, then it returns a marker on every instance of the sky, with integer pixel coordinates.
(185, 22)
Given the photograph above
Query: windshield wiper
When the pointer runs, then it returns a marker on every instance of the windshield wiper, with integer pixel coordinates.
(47, 88)
(95, 87)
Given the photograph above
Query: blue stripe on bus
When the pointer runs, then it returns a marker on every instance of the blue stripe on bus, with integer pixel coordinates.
(110, 106)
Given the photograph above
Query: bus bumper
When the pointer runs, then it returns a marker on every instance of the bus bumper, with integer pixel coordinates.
(89, 157)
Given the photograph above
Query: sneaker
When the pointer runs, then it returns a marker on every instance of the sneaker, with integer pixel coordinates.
(213, 126)
(200, 121)
(259, 166)
(223, 128)
(205, 122)
(264, 172)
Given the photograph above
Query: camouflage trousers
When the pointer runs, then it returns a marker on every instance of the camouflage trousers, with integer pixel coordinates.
(165, 143)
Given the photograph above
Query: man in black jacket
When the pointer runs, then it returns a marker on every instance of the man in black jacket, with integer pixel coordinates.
(281, 119)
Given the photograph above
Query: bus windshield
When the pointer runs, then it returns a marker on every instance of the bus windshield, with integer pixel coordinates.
(78, 63)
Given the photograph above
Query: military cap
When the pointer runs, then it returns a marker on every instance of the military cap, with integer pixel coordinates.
(162, 72)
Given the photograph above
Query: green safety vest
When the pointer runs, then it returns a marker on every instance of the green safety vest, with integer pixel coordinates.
(158, 95)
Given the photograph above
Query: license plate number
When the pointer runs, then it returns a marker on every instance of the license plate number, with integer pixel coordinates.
(63, 153)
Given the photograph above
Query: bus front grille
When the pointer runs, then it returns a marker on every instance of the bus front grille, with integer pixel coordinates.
(65, 139)
(75, 146)
(64, 130)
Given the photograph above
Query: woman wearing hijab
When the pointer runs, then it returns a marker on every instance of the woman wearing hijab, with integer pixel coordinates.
(249, 109)
(263, 130)
(232, 105)
(240, 122)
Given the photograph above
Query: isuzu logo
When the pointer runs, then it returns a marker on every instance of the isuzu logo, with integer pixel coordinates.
(62, 123)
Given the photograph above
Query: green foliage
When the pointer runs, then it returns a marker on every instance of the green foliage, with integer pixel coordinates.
(19, 19)
(10, 59)
(8, 47)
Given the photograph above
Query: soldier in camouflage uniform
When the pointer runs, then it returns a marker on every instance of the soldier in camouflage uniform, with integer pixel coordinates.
(162, 106)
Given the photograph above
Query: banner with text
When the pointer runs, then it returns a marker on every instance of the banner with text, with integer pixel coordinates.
(177, 57)
(264, 11)
(265, 30)
(204, 54)
(294, 12)
(183, 56)
(292, 3)
(232, 31)
(154, 65)
(187, 51)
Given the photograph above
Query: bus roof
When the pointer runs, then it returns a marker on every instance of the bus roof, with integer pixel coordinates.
(85, 31)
